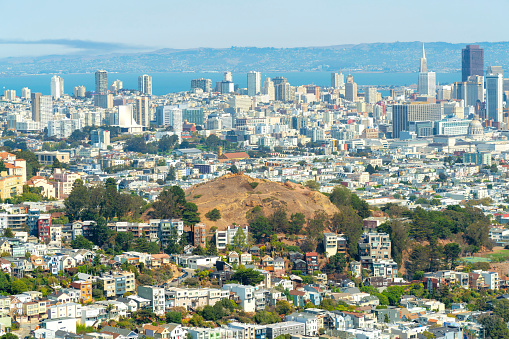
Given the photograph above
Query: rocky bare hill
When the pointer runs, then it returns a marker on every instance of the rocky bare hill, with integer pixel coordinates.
(234, 195)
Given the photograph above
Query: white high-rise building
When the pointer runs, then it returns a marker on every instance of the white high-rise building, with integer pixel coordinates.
(269, 89)
(371, 95)
(42, 108)
(9, 94)
(169, 116)
(145, 84)
(63, 128)
(494, 97)
(227, 76)
(57, 87)
(117, 85)
(254, 83)
(79, 91)
(427, 80)
(25, 93)
(337, 80)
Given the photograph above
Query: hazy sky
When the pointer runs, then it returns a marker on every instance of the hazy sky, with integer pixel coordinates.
(262, 23)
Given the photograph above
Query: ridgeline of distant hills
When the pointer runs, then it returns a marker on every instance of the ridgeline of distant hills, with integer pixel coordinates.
(369, 57)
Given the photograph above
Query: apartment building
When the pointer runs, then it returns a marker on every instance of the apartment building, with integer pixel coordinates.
(245, 294)
(334, 243)
(156, 296)
(192, 298)
(287, 327)
(66, 310)
(85, 288)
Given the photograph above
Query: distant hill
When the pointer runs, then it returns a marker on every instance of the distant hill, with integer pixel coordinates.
(233, 196)
(372, 57)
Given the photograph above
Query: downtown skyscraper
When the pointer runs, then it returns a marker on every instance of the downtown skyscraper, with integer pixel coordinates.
(254, 83)
(472, 62)
(494, 97)
(101, 82)
(57, 87)
(427, 80)
(145, 84)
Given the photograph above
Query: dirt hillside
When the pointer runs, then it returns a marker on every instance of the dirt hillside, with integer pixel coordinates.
(233, 196)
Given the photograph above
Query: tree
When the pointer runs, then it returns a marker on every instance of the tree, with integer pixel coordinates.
(169, 204)
(452, 251)
(260, 229)
(56, 164)
(80, 242)
(337, 263)
(190, 214)
(477, 235)
(77, 200)
(8, 233)
(9, 336)
(239, 239)
(173, 317)
(171, 174)
(101, 232)
(317, 224)
(283, 307)
(247, 276)
(173, 243)
(264, 317)
(370, 169)
(494, 326)
(297, 221)
(18, 286)
(348, 222)
(234, 169)
(278, 220)
(213, 215)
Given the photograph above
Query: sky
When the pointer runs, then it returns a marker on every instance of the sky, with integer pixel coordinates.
(36, 27)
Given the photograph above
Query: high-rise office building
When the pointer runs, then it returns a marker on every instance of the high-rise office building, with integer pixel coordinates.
(169, 116)
(101, 82)
(371, 95)
(26, 93)
(254, 83)
(227, 76)
(100, 136)
(337, 80)
(405, 113)
(282, 89)
(116, 86)
(471, 91)
(494, 97)
(350, 89)
(472, 62)
(427, 80)
(495, 70)
(103, 100)
(9, 94)
(204, 84)
(268, 89)
(57, 87)
(142, 111)
(42, 108)
(79, 91)
(145, 84)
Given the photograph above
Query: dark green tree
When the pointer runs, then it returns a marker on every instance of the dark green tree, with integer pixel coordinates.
(213, 214)
(247, 276)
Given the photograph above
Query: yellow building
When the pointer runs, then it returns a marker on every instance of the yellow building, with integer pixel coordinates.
(10, 185)
(85, 288)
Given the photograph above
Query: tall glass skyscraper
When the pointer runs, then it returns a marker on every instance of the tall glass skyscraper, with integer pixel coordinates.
(101, 82)
(472, 62)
